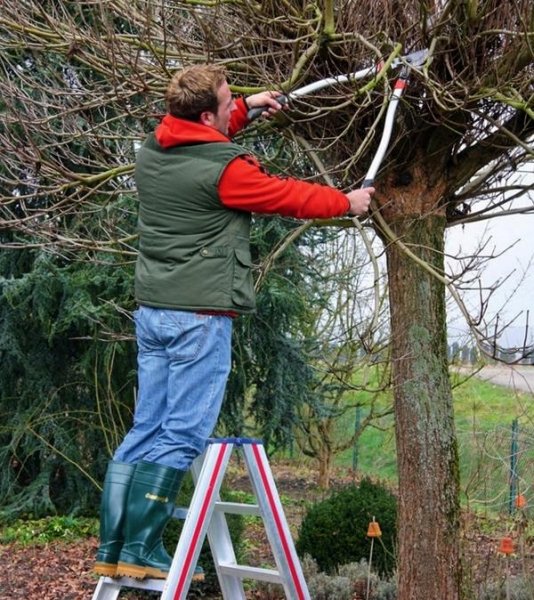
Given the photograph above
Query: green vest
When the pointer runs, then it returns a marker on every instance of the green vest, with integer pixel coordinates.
(194, 253)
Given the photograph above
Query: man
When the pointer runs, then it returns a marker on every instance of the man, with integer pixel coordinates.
(193, 275)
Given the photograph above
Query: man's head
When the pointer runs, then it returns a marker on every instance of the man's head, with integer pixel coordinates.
(201, 93)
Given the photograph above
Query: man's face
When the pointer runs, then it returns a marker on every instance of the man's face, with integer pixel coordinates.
(226, 107)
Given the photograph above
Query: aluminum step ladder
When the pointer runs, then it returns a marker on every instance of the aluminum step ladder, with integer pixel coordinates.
(206, 515)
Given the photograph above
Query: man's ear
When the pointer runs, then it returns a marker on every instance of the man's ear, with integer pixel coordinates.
(207, 118)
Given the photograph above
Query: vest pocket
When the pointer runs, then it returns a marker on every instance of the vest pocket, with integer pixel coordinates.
(243, 284)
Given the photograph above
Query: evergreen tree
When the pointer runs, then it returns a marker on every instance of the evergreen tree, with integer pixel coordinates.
(67, 380)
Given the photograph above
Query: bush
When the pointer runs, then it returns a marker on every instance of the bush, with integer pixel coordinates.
(325, 587)
(48, 529)
(520, 588)
(349, 582)
(334, 531)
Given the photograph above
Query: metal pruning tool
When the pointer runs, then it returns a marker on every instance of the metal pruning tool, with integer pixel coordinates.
(407, 62)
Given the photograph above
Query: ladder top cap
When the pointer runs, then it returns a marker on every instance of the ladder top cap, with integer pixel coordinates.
(237, 441)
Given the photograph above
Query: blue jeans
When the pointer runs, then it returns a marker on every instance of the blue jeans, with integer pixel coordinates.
(183, 364)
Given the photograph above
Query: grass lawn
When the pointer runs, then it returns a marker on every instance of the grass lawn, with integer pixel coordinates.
(484, 414)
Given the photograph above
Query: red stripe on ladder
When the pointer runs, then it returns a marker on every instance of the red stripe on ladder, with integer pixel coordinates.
(200, 523)
(279, 526)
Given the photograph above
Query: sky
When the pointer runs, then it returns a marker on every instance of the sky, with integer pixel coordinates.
(511, 241)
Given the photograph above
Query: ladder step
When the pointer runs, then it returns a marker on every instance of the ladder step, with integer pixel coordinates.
(248, 572)
(236, 508)
(155, 585)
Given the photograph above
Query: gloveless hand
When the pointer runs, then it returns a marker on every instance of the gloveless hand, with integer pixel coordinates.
(360, 200)
(267, 100)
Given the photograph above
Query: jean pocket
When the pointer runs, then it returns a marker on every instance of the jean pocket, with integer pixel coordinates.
(184, 334)
(145, 319)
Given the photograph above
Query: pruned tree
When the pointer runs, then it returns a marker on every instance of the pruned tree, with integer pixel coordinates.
(95, 71)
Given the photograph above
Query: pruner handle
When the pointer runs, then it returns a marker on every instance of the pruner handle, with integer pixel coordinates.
(368, 183)
(254, 113)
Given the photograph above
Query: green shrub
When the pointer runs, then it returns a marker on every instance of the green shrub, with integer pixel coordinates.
(334, 531)
(48, 529)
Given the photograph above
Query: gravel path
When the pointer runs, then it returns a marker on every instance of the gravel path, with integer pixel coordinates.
(519, 377)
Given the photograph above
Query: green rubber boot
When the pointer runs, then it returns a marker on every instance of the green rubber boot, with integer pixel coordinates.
(153, 491)
(112, 512)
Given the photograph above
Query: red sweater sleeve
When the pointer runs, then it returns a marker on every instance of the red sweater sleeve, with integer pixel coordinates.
(244, 185)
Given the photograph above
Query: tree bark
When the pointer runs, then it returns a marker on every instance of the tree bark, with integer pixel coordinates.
(325, 468)
(429, 512)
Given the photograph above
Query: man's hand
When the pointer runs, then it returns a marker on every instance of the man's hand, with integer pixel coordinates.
(360, 200)
(266, 100)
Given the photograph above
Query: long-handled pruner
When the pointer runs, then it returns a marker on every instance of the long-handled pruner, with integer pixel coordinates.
(414, 59)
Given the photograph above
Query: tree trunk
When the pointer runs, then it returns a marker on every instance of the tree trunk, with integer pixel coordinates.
(325, 467)
(429, 512)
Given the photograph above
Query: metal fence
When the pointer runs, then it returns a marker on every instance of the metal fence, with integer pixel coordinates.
(497, 467)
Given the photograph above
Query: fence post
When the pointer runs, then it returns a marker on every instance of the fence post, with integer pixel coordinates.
(514, 451)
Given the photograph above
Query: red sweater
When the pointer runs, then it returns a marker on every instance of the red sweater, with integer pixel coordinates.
(244, 185)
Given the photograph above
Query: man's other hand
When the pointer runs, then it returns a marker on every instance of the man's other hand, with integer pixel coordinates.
(360, 200)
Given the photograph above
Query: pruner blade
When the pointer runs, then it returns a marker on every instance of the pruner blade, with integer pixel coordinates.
(414, 59)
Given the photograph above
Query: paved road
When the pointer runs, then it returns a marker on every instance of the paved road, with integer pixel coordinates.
(519, 377)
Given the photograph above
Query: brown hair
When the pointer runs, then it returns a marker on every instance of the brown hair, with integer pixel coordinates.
(193, 90)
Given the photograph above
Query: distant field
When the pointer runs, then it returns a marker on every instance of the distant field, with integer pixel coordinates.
(484, 414)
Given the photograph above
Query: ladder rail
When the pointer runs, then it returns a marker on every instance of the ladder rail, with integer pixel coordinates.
(276, 525)
(208, 473)
(220, 541)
